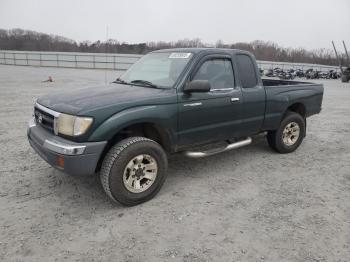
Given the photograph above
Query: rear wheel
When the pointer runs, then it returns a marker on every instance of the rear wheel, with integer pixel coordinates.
(289, 135)
(134, 170)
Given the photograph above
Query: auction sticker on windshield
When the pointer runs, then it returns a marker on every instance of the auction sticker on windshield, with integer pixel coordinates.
(180, 55)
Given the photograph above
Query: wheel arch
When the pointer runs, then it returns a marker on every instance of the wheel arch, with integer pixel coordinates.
(298, 108)
(147, 129)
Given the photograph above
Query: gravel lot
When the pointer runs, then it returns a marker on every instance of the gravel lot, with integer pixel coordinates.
(246, 205)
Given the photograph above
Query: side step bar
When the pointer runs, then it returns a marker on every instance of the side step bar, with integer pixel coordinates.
(235, 145)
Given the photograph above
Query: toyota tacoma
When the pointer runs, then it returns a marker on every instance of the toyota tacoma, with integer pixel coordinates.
(196, 101)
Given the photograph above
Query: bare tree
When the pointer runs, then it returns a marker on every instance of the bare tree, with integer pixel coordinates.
(19, 39)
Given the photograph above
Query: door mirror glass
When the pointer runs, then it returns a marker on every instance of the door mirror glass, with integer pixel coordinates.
(197, 86)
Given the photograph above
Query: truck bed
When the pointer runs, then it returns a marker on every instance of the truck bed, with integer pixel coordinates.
(284, 93)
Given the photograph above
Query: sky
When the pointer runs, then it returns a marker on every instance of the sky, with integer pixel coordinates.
(309, 24)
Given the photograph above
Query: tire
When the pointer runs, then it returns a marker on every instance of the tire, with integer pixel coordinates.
(118, 164)
(276, 139)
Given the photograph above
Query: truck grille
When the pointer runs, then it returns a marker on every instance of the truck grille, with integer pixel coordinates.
(44, 119)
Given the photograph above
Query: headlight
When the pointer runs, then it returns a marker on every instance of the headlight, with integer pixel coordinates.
(72, 125)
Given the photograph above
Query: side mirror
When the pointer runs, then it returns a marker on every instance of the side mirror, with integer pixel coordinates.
(197, 86)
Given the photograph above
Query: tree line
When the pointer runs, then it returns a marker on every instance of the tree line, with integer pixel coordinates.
(27, 40)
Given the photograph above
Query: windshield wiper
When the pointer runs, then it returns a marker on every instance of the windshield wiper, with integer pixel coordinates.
(144, 82)
(120, 81)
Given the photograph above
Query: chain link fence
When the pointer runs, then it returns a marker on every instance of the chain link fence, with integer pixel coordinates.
(112, 61)
(68, 59)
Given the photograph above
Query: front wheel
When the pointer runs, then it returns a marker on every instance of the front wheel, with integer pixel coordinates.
(134, 170)
(288, 137)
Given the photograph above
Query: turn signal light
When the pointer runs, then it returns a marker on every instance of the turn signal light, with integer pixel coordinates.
(60, 161)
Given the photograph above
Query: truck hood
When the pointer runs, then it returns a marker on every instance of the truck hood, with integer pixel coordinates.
(86, 100)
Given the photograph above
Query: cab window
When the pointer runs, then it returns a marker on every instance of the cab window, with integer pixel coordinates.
(218, 72)
(246, 71)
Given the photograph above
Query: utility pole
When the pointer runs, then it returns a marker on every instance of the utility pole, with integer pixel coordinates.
(346, 52)
(336, 54)
(106, 62)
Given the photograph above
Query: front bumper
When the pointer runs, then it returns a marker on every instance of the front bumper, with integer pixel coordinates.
(70, 157)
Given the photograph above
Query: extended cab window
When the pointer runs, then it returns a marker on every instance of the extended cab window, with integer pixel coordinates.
(218, 72)
(246, 70)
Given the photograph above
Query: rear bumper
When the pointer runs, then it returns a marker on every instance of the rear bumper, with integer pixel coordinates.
(67, 156)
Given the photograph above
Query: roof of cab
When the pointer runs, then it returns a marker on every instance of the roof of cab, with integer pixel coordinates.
(208, 50)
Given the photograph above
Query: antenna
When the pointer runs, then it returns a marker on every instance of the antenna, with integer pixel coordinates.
(106, 55)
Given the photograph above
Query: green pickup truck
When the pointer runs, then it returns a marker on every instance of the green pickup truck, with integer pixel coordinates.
(196, 101)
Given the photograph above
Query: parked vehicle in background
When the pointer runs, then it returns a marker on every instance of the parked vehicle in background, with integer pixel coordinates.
(269, 73)
(310, 73)
(333, 74)
(300, 73)
(197, 102)
(288, 75)
(345, 76)
(323, 75)
(261, 71)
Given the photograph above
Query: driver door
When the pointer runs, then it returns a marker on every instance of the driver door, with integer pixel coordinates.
(214, 115)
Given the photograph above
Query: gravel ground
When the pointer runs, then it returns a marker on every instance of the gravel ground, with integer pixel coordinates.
(246, 205)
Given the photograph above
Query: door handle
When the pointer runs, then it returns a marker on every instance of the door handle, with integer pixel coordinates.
(194, 104)
(234, 99)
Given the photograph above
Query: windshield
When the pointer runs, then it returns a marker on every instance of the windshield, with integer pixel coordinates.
(159, 69)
